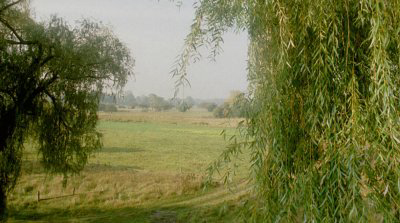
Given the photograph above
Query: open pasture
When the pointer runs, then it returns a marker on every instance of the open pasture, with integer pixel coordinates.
(150, 169)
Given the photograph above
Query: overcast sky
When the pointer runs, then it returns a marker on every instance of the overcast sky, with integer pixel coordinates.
(155, 31)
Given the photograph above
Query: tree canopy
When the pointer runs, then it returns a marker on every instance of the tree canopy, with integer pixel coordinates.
(51, 77)
(323, 129)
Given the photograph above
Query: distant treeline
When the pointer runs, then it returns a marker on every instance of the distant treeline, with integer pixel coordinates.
(234, 106)
(153, 102)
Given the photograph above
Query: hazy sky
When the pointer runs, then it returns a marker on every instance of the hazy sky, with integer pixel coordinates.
(155, 31)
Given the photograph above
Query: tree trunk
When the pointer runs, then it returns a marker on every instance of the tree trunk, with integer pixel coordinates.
(7, 126)
(3, 204)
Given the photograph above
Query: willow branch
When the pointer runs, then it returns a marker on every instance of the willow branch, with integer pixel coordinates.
(9, 5)
(21, 40)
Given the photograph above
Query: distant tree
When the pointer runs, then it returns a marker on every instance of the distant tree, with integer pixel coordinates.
(128, 99)
(51, 79)
(142, 102)
(219, 112)
(183, 107)
(208, 105)
(175, 102)
(167, 105)
(185, 104)
(155, 102)
(108, 98)
(190, 102)
(211, 107)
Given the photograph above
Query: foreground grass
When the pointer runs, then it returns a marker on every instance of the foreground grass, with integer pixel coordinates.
(150, 169)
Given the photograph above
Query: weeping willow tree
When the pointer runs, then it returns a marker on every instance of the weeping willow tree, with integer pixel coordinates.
(324, 84)
(51, 79)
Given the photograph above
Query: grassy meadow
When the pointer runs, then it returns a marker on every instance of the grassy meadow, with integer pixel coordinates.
(151, 169)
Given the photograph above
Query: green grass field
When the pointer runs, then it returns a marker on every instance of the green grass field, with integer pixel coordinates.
(151, 169)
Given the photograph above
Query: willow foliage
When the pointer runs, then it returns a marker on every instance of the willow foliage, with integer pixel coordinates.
(324, 125)
(51, 78)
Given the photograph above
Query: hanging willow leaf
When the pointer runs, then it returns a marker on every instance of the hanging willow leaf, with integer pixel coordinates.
(324, 126)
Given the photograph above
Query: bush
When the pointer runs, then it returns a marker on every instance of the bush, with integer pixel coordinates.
(183, 107)
(211, 106)
(232, 111)
(219, 112)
